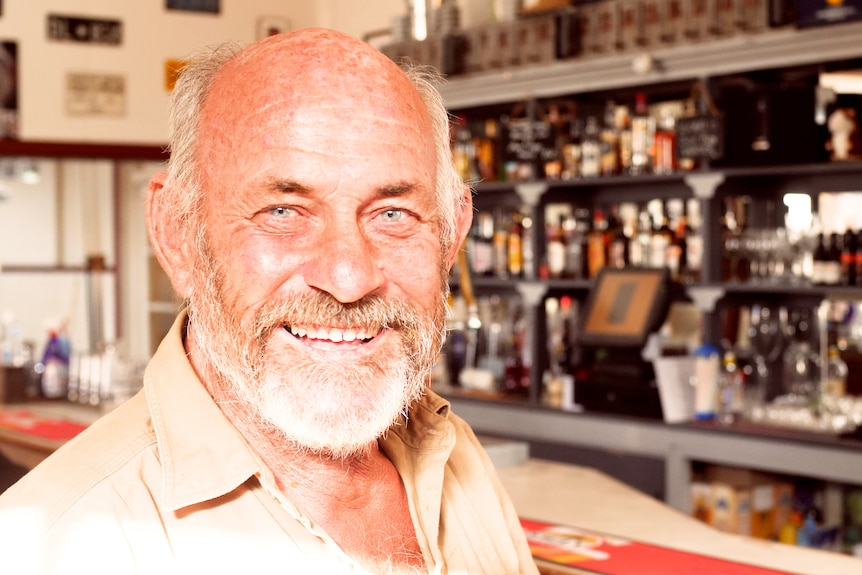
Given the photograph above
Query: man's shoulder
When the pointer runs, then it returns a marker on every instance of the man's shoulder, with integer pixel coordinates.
(98, 455)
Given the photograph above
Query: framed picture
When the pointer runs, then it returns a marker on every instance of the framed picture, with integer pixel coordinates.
(625, 306)
(271, 25)
(8, 89)
(172, 71)
(210, 6)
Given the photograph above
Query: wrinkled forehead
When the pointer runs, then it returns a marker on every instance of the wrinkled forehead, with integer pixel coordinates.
(285, 77)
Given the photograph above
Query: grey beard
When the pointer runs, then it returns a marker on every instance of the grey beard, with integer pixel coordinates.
(310, 404)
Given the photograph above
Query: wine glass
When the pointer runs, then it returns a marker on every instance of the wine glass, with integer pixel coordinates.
(766, 334)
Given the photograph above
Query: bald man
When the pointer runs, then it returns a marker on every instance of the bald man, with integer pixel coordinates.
(308, 216)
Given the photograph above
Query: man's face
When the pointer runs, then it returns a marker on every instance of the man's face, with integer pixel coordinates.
(320, 301)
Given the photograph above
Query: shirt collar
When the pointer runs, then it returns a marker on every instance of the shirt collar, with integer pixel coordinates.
(202, 454)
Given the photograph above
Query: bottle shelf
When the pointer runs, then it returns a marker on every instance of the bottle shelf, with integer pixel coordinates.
(822, 171)
(776, 48)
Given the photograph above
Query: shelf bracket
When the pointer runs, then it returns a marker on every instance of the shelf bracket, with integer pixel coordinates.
(532, 292)
(705, 297)
(530, 192)
(704, 185)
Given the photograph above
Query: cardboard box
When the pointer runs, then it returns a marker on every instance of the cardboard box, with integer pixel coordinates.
(730, 508)
(747, 502)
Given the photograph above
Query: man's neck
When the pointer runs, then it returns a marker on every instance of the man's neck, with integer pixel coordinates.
(358, 500)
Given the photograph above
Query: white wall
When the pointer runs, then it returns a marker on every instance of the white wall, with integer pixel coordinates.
(151, 36)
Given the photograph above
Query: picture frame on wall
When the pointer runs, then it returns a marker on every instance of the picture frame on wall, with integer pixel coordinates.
(8, 89)
(271, 25)
(208, 6)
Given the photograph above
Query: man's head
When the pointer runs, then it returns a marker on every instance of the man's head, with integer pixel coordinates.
(309, 215)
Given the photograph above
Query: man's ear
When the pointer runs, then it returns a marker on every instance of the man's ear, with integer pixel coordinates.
(172, 242)
(463, 222)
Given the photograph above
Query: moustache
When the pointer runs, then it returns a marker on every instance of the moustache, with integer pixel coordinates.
(372, 312)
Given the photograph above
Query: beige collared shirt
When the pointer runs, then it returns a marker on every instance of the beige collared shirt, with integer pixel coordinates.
(164, 484)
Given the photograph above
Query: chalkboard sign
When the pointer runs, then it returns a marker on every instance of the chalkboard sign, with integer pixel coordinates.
(700, 137)
(528, 141)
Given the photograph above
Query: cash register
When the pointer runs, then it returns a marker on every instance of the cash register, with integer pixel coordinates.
(624, 307)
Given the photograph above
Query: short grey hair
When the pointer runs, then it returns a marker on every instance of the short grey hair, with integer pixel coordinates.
(183, 191)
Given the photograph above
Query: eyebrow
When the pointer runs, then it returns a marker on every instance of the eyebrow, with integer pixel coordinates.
(293, 187)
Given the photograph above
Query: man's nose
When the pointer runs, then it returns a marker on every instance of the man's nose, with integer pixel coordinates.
(345, 264)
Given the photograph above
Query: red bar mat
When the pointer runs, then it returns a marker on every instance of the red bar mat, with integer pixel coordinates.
(25, 421)
(610, 555)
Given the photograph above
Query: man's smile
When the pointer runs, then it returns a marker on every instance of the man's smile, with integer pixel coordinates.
(334, 334)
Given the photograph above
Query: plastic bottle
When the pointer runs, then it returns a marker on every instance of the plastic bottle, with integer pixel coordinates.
(55, 362)
(706, 371)
(730, 402)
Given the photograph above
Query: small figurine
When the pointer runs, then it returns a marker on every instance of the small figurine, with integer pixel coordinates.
(845, 143)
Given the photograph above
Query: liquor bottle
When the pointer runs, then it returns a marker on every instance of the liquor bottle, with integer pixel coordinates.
(515, 245)
(500, 241)
(482, 250)
(516, 371)
(848, 258)
(528, 253)
(819, 260)
(857, 259)
(486, 152)
(643, 134)
(572, 150)
(665, 144)
(555, 248)
(553, 166)
(618, 241)
(464, 154)
(640, 246)
(597, 243)
(455, 346)
(729, 407)
(609, 142)
(591, 149)
(678, 250)
(832, 264)
(835, 383)
(661, 240)
(693, 243)
(574, 247)
(623, 125)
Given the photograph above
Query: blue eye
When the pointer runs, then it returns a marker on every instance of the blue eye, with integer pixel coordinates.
(392, 215)
(282, 211)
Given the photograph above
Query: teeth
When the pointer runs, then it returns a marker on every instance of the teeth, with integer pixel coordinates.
(333, 334)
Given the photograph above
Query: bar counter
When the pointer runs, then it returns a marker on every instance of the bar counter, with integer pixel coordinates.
(585, 498)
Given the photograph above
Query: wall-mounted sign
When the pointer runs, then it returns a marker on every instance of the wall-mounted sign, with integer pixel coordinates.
(88, 30)
(211, 6)
(824, 12)
(172, 70)
(95, 94)
(8, 90)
